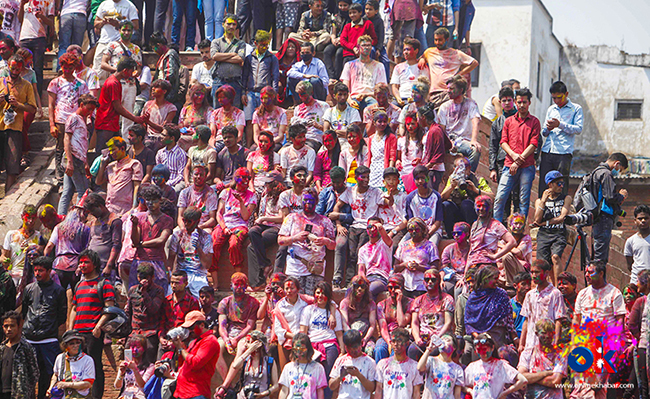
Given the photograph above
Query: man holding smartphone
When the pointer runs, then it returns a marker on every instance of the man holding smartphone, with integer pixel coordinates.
(353, 375)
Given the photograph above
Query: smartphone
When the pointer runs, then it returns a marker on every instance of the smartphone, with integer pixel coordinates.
(308, 228)
(128, 355)
(105, 152)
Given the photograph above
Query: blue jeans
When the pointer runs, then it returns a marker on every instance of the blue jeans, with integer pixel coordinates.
(525, 177)
(361, 105)
(188, 9)
(381, 350)
(419, 34)
(470, 152)
(253, 102)
(37, 47)
(160, 15)
(45, 356)
(73, 27)
(214, 11)
(77, 182)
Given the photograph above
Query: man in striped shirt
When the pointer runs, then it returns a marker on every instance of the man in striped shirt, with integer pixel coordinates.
(91, 295)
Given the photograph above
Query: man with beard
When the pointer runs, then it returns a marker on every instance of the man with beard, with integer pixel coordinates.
(237, 317)
(356, 72)
(459, 118)
(444, 63)
(199, 358)
(17, 98)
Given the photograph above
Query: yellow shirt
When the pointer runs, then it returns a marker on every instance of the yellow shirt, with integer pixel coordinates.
(24, 93)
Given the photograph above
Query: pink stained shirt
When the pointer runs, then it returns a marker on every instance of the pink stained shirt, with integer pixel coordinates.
(122, 176)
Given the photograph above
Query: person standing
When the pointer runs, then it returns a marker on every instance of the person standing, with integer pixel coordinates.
(563, 122)
(19, 368)
(44, 310)
(637, 247)
(91, 295)
(105, 232)
(122, 177)
(229, 53)
(38, 17)
(520, 139)
(16, 99)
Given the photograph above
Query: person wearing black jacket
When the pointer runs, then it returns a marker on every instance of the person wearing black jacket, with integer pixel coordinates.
(497, 154)
(603, 188)
(44, 310)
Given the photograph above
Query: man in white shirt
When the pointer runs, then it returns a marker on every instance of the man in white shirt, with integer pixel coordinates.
(361, 75)
(39, 15)
(72, 24)
(340, 116)
(202, 72)
(353, 375)
(637, 247)
(406, 73)
(108, 17)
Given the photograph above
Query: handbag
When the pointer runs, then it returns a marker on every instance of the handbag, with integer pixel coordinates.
(67, 377)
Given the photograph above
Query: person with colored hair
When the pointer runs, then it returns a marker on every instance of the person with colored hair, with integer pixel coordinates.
(362, 90)
(229, 53)
(310, 113)
(271, 118)
(236, 205)
(393, 312)
(133, 375)
(263, 163)
(196, 112)
(485, 235)
(157, 113)
(382, 95)
(122, 176)
(327, 157)
(228, 114)
(454, 260)
(375, 257)
(231, 157)
(414, 257)
(520, 257)
(15, 247)
(237, 318)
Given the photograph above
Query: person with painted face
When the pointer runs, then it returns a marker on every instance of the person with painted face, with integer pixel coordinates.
(149, 234)
(190, 250)
(44, 308)
(157, 113)
(375, 257)
(91, 295)
(426, 204)
(521, 256)
(521, 284)
(49, 218)
(64, 93)
(298, 154)
(488, 376)
(443, 377)
(138, 151)
(392, 312)
(362, 90)
(325, 338)
(290, 201)
(196, 112)
(418, 98)
(236, 205)
(200, 195)
(342, 115)
(603, 188)
(75, 146)
(382, 95)
(398, 376)
(637, 325)
(327, 157)
(485, 235)
(255, 366)
(122, 176)
(550, 210)
(237, 318)
(273, 293)
(149, 311)
(132, 375)
(488, 309)
(200, 154)
(359, 312)
(172, 156)
(199, 358)
(354, 152)
(382, 148)
(105, 232)
(364, 201)
(15, 247)
(544, 366)
(433, 314)
(307, 235)
(303, 377)
(460, 193)
(310, 113)
(231, 157)
(415, 256)
(264, 163)
(393, 217)
(544, 301)
(264, 233)
(405, 73)
(351, 367)
(454, 260)
(159, 176)
(270, 117)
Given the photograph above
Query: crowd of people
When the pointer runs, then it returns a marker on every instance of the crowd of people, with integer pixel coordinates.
(273, 160)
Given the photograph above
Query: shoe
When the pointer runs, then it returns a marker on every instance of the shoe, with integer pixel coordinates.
(189, 49)
(336, 284)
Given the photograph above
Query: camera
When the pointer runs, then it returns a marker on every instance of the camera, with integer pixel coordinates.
(582, 218)
(178, 332)
(163, 368)
(459, 175)
(250, 390)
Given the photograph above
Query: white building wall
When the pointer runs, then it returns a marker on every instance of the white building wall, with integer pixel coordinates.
(596, 77)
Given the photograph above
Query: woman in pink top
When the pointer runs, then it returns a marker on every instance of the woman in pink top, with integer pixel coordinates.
(327, 157)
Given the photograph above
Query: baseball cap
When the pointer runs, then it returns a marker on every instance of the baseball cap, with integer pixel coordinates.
(391, 171)
(552, 175)
(192, 317)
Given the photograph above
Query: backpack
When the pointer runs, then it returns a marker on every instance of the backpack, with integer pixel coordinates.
(584, 197)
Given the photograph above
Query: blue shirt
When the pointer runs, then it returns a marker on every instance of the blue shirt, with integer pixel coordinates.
(561, 139)
(315, 67)
(516, 314)
(326, 201)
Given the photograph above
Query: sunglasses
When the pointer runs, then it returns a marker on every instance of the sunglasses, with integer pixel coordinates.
(393, 287)
(456, 233)
(358, 285)
(430, 279)
(481, 341)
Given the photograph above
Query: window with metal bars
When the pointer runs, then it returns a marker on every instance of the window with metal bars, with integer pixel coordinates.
(628, 110)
